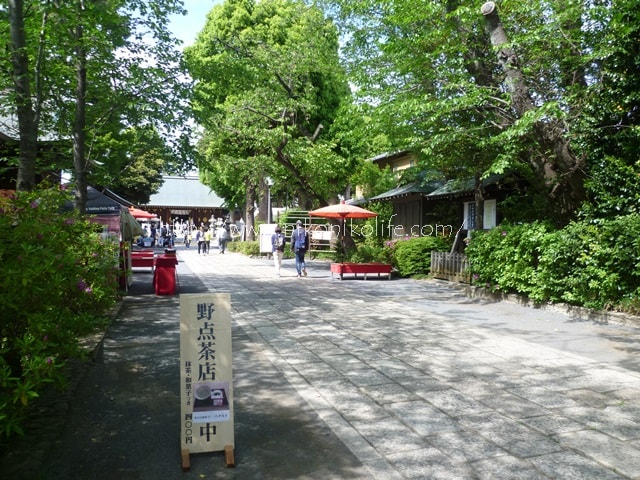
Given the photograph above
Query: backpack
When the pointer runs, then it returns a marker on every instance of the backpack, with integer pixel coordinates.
(300, 242)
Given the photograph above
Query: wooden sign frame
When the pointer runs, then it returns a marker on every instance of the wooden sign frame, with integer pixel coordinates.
(206, 382)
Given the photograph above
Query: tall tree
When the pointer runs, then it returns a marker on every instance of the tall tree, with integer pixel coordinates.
(104, 67)
(269, 85)
(137, 159)
(610, 122)
(473, 107)
(561, 169)
(27, 121)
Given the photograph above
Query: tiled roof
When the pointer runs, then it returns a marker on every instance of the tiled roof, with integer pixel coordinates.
(184, 192)
(409, 189)
(389, 155)
(462, 187)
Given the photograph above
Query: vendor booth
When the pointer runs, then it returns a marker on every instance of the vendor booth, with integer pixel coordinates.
(112, 212)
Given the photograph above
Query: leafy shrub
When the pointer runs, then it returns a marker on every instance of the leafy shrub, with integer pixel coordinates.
(506, 258)
(369, 253)
(596, 265)
(58, 277)
(591, 264)
(413, 256)
(251, 249)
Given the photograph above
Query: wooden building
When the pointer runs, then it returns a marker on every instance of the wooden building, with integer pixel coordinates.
(182, 200)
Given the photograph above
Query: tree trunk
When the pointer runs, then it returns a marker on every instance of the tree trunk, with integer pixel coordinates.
(479, 201)
(263, 202)
(561, 170)
(250, 199)
(79, 134)
(27, 126)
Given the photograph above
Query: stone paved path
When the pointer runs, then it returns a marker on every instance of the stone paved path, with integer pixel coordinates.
(418, 386)
(358, 379)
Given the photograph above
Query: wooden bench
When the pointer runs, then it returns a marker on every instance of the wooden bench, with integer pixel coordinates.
(143, 259)
(361, 268)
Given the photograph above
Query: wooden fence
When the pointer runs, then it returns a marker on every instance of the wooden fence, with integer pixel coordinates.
(450, 266)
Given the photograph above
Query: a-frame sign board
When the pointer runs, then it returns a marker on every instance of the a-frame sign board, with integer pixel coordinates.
(206, 383)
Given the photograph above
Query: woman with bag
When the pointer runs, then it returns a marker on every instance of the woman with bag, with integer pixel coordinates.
(278, 241)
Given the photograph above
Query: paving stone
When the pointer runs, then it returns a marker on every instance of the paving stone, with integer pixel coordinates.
(618, 456)
(422, 418)
(553, 424)
(590, 398)
(455, 403)
(610, 420)
(388, 393)
(428, 463)
(572, 466)
(521, 441)
(465, 446)
(361, 380)
(512, 405)
(389, 435)
(506, 468)
(543, 396)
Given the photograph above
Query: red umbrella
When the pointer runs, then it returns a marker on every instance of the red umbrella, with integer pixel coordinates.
(342, 210)
(138, 213)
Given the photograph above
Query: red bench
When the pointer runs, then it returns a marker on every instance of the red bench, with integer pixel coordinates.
(143, 259)
(361, 268)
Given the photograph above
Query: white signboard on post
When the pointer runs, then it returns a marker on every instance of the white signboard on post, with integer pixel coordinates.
(266, 232)
(206, 383)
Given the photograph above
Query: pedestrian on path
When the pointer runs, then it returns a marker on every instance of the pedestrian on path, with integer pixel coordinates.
(207, 240)
(200, 241)
(299, 246)
(278, 242)
(224, 235)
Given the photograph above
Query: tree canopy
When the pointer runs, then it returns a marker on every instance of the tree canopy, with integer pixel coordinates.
(268, 87)
(87, 72)
(544, 90)
(514, 87)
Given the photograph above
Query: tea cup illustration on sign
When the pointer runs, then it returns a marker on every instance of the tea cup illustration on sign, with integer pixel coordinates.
(203, 392)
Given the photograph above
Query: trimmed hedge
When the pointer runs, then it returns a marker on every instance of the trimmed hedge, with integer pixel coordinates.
(413, 255)
(595, 265)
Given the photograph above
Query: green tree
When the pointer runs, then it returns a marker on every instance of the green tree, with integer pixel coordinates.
(98, 68)
(136, 159)
(25, 110)
(269, 85)
(610, 126)
(478, 96)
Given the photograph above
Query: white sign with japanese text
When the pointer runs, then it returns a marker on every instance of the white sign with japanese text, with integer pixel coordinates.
(205, 373)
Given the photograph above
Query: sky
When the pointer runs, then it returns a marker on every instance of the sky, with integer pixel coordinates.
(187, 27)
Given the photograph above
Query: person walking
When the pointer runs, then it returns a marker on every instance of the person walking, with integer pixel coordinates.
(224, 235)
(207, 240)
(200, 240)
(299, 246)
(278, 241)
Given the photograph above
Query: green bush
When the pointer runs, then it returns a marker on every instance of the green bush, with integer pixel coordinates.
(58, 279)
(412, 256)
(367, 253)
(506, 258)
(251, 249)
(596, 265)
(590, 264)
